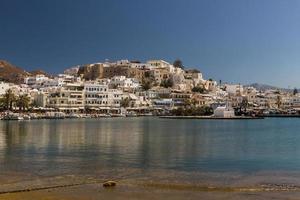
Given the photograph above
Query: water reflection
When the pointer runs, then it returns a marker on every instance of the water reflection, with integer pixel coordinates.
(76, 146)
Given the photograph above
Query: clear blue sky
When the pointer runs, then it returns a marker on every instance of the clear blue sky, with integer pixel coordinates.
(234, 40)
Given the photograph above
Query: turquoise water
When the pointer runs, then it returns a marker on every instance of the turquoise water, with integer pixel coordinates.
(51, 147)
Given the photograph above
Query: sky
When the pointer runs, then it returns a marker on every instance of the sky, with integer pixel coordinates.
(236, 41)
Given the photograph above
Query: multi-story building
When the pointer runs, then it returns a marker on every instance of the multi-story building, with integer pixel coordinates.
(161, 64)
(40, 81)
(68, 98)
(193, 77)
(234, 89)
(96, 95)
(126, 84)
(180, 97)
(35, 80)
(160, 74)
(99, 97)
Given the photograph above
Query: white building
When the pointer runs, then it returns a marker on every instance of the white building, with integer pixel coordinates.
(123, 62)
(99, 96)
(96, 95)
(234, 89)
(70, 97)
(140, 65)
(161, 64)
(224, 112)
(124, 83)
(194, 76)
(34, 80)
(3, 87)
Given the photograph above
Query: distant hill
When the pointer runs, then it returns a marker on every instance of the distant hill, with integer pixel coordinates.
(13, 74)
(264, 87)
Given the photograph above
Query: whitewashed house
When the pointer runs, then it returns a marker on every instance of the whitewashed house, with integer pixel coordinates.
(224, 112)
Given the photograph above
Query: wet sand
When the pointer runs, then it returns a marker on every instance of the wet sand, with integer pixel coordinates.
(133, 192)
(157, 184)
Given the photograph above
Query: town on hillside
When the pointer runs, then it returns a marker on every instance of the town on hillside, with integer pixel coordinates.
(133, 88)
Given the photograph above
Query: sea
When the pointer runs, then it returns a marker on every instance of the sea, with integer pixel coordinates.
(258, 155)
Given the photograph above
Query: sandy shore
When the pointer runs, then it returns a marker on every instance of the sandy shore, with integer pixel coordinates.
(127, 191)
(153, 185)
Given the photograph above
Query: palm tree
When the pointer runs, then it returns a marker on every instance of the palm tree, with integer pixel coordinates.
(23, 102)
(2, 103)
(244, 105)
(125, 102)
(146, 84)
(278, 101)
(8, 99)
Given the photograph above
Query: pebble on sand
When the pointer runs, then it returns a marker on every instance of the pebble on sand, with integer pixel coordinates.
(109, 184)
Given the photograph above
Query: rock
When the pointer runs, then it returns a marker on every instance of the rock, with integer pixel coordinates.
(109, 184)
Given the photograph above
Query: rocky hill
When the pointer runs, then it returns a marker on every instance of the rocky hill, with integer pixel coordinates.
(13, 74)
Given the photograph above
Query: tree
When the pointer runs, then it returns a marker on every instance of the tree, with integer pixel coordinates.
(8, 99)
(278, 101)
(125, 102)
(146, 84)
(295, 91)
(187, 103)
(147, 74)
(178, 63)
(167, 83)
(198, 89)
(23, 102)
(193, 111)
(244, 105)
(2, 103)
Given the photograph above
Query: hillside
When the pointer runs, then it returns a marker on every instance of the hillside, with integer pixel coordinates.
(13, 74)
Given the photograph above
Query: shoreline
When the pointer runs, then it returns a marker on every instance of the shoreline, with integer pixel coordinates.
(140, 116)
(210, 117)
(33, 116)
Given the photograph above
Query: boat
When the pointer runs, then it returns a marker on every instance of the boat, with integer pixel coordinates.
(131, 114)
(146, 114)
(103, 115)
(59, 115)
(33, 116)
(73, 115)
(26, 117)
(12, 116)
(55, 115)
(118, 115)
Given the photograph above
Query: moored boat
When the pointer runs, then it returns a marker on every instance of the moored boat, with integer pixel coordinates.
(12, 116)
